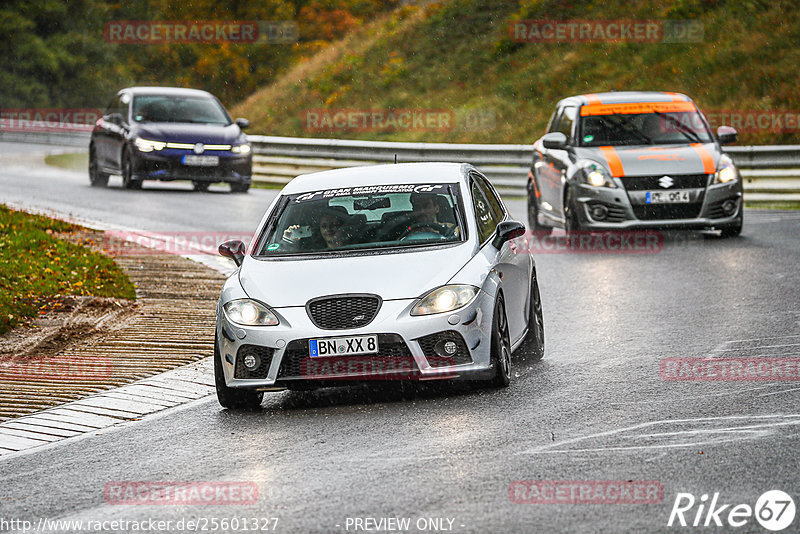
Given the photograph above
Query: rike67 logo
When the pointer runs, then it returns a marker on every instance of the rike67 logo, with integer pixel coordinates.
(774, 510)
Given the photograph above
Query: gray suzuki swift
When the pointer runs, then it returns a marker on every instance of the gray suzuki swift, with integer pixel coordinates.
(633, 160)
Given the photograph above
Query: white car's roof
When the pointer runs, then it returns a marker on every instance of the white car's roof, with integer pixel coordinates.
(399, 173)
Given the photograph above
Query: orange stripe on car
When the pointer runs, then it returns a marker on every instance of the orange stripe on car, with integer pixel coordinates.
(592, 99)
(705, 157)
(612, 158)
(636, 107)
(533, 182)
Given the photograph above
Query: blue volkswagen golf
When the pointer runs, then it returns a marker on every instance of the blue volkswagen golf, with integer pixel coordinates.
(166, 133)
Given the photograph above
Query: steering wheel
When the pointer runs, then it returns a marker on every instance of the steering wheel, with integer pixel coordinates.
(420, 228)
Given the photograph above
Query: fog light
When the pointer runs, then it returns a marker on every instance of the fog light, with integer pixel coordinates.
(729, 206)
(599, 213)
(251, 362)
(446, 348)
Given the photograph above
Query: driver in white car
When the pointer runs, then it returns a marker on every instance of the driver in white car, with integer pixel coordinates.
(425, 213)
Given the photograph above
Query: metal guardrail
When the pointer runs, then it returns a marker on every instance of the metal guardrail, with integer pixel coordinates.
(771, 173)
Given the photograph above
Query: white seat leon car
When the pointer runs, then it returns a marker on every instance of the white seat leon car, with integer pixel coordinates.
(387, 272)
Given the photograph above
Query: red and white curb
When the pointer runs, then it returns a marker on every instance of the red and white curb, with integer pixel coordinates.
(108, 409)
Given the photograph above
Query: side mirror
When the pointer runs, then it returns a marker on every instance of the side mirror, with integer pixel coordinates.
(243, 124)
(114, 118)
(555, 140)
(727, 135)
(233, 249)
(506, 231)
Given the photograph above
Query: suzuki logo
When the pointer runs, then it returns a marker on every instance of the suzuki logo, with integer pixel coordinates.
(665, 182)
(199, 148)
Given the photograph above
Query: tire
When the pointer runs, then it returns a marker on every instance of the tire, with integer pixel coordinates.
(572, 221)
(127, 172)
(533, 220)
(233, 398)
(240, 187)
(501, 347)
(733, 230)
(96, 178)
(532, 347)
(201, 186)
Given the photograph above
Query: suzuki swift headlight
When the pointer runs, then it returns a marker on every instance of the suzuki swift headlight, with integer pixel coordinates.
(145, 145)
(594, 174)
(248, 312)
(445, 299)
(726, 171)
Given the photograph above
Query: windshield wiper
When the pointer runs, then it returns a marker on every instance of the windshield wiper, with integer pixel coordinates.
(689, 134)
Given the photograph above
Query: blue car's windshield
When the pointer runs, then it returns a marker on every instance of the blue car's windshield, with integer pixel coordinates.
(183, 109)
(361, 218)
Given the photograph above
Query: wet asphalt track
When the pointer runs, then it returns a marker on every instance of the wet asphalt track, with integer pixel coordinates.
(596, 408)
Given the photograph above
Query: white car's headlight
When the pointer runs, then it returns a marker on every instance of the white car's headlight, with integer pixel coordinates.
(445, 299)
(240, 149)
(250, 313)
(145, 145)
(726, 172)
(596, 175)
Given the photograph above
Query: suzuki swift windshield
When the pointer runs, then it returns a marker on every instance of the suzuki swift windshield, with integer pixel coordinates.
(657, 124)
(363, 218)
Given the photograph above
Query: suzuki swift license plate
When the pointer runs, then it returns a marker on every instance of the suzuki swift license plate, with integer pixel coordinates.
(667, 197)
(342, 346)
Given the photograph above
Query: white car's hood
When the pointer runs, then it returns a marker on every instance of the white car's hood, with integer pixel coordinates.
(281, 283)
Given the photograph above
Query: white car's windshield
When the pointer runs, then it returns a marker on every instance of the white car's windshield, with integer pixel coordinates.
(367, 217)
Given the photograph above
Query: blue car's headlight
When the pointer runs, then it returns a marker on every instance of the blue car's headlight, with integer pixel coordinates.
(241, 149)
(445, 299)
(248, 312)
(145, 145)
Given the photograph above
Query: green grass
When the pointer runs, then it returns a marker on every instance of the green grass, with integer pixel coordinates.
(457, 55)
(70, 162)
(38, 267)
(773, 205)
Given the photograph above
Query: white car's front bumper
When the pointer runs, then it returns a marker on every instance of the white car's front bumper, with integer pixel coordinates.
(284, 359)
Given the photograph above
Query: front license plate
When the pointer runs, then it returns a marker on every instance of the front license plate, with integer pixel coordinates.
(201, 161)
(667, 197)
(342, 346)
